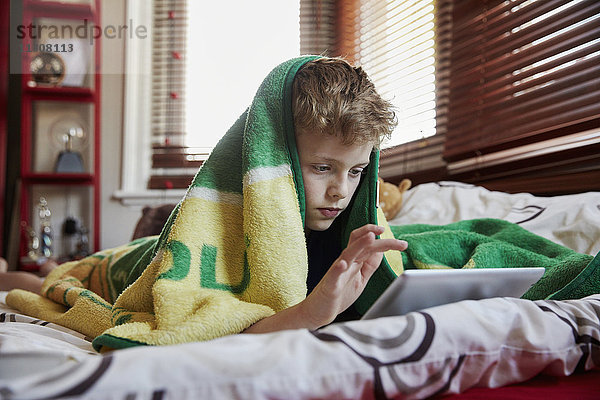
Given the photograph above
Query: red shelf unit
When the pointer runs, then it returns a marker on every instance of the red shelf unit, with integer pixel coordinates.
(85, 13)
(58, 179)
(4, 77)
(60, 9)
(74, 93)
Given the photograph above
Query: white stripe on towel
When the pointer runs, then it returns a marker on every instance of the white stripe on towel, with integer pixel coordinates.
(214, 195)
(266, 173)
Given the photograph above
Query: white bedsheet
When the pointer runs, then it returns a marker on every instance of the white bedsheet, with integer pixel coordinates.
(570, 220)
(445, 349)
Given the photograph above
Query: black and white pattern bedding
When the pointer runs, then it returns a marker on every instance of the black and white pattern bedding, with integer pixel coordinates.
(445, 349)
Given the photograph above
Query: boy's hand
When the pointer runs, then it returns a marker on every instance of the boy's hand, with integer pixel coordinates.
(339, 288)
(348, 275)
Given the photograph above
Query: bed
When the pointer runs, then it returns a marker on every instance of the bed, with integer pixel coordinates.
(492, 348)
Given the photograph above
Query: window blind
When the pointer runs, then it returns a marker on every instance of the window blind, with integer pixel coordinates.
(173, 163)
(521, 71)
(393, 40)
(168, 72)
(421, 159)
(396, 47)
(318, 27)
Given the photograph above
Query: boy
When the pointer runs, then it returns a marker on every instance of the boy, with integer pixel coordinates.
(246, 268)
(339, 120)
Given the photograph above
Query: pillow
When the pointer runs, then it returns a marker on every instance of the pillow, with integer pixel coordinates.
(152, 220)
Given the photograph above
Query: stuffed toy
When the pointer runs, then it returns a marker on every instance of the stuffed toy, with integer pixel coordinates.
(390, 196)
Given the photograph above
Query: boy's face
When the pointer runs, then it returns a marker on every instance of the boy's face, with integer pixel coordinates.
(331, 172)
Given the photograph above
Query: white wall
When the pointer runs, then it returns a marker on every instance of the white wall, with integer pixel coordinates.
(117, 220)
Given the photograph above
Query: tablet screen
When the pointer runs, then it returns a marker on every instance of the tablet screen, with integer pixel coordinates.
(418, 289)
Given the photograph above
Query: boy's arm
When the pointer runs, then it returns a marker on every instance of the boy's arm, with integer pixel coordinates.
(339, 288)
(294, 317)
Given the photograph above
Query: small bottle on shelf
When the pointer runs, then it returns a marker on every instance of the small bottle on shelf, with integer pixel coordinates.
(46, 244)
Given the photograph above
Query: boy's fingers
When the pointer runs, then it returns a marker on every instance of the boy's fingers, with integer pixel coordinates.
(357, 244)
(388, 244)
(365, 234)
(363, 247)
(358, 232)
(381, 246)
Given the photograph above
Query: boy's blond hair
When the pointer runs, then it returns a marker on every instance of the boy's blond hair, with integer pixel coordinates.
(331, 96)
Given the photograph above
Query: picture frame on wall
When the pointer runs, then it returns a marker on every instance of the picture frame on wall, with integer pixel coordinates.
(75, 58)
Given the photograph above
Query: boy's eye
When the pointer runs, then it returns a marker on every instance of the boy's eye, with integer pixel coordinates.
(356, 171)
(321, 168)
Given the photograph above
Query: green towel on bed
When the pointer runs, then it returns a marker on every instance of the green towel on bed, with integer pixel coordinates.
(234, 250)
(492, 243)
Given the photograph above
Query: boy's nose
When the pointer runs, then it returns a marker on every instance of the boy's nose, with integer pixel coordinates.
(338, 188)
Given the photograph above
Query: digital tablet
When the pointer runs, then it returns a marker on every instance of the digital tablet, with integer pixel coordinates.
(416, 289)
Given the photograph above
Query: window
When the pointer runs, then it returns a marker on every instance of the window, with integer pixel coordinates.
(517, 94)
(473, 77)
(223, 75)
(396, 47)
(394, 41)
(403, 45)
(209, 59)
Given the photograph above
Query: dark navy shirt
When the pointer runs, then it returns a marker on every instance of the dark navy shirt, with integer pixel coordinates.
(321, 254)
